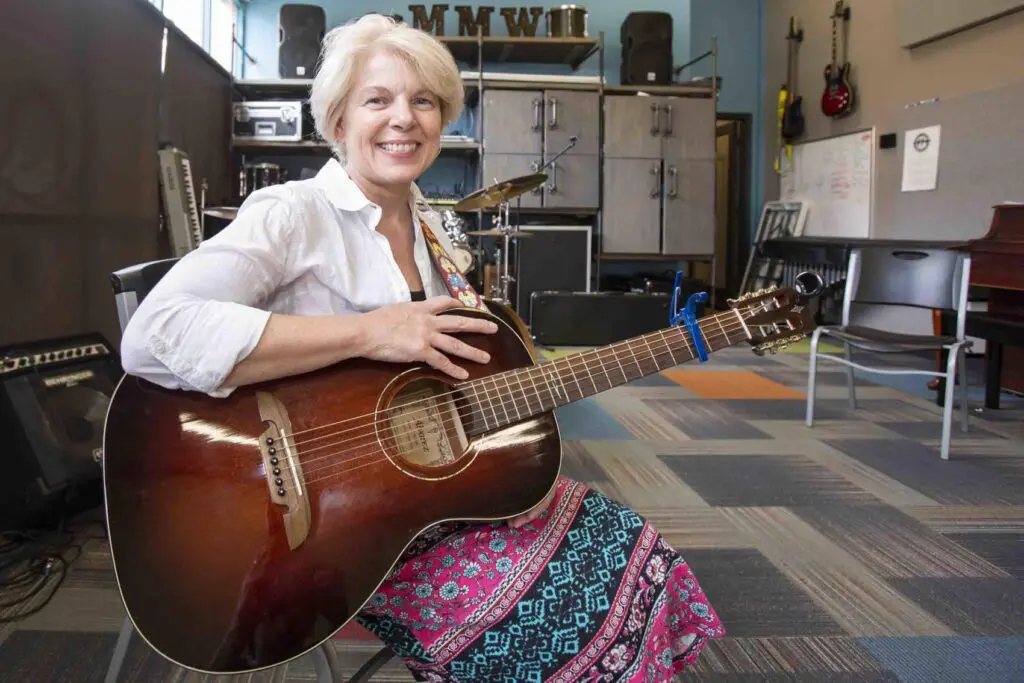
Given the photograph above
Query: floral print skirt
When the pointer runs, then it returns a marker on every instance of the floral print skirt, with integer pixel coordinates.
(587, 592)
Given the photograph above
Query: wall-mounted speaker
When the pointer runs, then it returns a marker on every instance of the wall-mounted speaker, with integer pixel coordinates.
(301, 30)
(646, 39)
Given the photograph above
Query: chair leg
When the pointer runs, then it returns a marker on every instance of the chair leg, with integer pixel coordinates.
(850, 379)
(366, 671)
(120, 649)
(947, 407)
(964, 405)
(323, 657)
(812, 375)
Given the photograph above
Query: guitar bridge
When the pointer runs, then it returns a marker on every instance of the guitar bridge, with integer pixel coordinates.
(283, 470)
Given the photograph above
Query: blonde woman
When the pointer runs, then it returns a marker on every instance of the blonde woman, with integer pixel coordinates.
(339, 266)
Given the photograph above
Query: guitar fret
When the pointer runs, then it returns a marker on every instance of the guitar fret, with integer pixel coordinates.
(515, 401)
(668, 346)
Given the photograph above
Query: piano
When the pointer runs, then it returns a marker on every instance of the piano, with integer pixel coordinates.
(997, 265)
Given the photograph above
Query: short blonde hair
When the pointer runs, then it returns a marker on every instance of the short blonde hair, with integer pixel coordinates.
(348, 47)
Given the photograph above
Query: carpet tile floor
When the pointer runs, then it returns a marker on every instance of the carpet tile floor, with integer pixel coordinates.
(846, 551)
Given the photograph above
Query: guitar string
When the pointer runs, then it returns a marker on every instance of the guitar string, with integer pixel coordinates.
(449, 422)
(375, 454)
(515, 375)
(462, 388)
(538, 394)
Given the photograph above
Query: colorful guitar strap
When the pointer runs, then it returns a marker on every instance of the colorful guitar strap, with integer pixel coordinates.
(456, 283)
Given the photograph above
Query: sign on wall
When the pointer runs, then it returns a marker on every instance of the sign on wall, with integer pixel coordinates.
(519, 21)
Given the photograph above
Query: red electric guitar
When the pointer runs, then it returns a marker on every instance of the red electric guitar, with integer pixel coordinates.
(838, 99)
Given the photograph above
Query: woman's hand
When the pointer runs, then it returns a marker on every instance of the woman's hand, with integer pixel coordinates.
(533, 514)
(414, 332)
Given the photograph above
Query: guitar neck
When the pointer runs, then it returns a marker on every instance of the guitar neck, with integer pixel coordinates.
(499, 400)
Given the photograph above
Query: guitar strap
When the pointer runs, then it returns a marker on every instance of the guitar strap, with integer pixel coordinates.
(456, 283)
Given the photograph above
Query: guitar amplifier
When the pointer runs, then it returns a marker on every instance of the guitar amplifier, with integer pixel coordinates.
(272, 121)
(53, 404)
(599, 318)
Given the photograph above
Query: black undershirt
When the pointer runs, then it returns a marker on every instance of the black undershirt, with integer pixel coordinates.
(418, 295)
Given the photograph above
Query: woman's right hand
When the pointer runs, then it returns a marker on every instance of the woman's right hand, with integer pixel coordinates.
(415, 332)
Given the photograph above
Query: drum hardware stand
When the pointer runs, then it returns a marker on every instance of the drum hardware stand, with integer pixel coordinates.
(505, 227)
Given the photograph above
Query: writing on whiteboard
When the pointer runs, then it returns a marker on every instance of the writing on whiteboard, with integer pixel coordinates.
(835, 177)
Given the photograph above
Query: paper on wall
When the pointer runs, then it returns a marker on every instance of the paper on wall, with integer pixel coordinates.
(921, 159)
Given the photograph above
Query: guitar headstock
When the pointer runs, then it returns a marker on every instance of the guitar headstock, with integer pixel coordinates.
(775, 318)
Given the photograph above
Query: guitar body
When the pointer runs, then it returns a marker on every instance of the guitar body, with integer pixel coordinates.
(219, 576)
(793, 119)
(838, 98)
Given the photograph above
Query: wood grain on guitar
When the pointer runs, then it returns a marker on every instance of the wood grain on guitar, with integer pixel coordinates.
(246, 531)
(838, 98)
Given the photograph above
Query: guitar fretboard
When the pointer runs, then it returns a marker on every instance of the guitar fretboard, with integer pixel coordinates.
(506, 398)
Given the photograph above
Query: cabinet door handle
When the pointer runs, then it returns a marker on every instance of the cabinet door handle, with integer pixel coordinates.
(656, 188)
(536, 169)
(655, 118)
(553, 185)
(668, 119)
(553, 122)
(537, 113)
(673, 188)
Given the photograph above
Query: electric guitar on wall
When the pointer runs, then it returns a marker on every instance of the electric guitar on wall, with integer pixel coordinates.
(790, 110)
(246, 531)
(839, 98)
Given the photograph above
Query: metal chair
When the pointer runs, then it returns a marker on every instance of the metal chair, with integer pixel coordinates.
(131, 285)
(908, 277)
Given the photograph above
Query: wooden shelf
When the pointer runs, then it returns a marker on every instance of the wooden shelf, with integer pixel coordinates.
(503, 50)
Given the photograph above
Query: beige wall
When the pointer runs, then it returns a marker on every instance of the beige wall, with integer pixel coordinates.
(887, 77)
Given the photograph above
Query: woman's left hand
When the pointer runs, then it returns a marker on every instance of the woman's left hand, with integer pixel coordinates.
(533, 514)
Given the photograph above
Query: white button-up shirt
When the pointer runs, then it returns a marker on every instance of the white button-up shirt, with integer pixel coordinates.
(306, 247)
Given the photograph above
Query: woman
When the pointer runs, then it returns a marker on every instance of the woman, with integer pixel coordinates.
(340, 266)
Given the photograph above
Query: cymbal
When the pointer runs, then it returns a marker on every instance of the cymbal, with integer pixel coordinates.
(497, 233)
(228, 213)
(500, 192)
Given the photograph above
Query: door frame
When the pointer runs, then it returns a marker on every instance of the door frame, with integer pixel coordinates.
(738, 234)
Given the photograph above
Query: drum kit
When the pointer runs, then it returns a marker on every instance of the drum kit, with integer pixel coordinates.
(498, 195)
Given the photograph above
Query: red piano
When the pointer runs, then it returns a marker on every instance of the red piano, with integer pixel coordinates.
(997, 265)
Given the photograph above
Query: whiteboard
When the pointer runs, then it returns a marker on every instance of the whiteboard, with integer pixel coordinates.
(835, 176)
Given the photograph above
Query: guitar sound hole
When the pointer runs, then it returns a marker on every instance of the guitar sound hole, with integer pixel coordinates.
(425, 425)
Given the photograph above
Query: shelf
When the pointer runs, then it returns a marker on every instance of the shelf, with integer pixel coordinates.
(524, 50)
(656, 257)
(701, 88)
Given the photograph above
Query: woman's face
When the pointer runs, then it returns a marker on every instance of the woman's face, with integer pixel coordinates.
(391, 127)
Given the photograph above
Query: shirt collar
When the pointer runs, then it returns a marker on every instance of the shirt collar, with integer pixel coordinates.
(343, 192)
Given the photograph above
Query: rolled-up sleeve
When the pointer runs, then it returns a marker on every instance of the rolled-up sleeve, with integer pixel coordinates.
(204, 316)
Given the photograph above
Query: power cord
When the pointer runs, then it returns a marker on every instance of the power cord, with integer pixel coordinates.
(34, 563)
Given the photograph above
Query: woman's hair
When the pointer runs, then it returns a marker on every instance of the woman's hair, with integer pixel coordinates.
(348, 47)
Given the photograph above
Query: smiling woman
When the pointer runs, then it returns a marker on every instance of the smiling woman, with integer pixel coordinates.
(317, 271)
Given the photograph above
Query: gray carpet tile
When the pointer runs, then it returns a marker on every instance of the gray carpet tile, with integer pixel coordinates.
(753, 598)
(764, 481)
(1003, 549)
(701, 419)
(971, 607)
(953, 482)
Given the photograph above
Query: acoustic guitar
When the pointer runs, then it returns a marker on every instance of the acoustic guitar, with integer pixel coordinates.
(838, 99)
(246, 531)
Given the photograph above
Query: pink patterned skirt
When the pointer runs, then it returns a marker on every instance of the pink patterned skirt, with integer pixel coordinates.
(587, 592)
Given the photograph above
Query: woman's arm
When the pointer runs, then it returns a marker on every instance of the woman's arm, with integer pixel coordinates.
(201, 327)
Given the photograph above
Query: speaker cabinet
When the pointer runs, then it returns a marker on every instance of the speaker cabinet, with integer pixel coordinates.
(552, 258)
(646, 49)
(53, 404)
(300, 36)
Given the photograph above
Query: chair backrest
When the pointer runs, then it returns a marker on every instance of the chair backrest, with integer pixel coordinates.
(893, 275)
(132, 284)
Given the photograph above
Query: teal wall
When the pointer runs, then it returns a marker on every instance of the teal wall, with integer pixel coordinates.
(736, 23)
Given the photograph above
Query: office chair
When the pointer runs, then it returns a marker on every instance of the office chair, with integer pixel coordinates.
(895, 276)
(131, 285)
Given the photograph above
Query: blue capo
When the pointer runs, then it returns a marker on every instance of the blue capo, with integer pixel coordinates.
(688, 315)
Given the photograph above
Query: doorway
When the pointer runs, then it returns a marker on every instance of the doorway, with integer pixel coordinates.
(732, 206)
